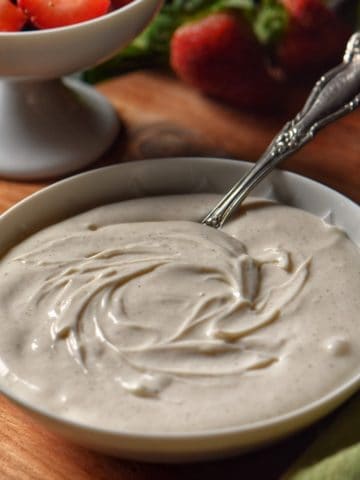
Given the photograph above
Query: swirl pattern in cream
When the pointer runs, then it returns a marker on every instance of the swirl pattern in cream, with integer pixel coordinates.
(167, 292)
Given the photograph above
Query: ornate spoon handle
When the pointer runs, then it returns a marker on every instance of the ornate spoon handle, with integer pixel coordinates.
(334, 95)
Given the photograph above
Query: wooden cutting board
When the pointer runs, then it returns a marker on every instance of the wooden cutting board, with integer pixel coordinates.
(165, 118)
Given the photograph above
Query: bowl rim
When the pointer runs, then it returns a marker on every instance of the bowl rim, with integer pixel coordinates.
(68, 28)
(312, 409)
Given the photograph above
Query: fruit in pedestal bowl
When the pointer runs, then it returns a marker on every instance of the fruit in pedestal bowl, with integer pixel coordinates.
(20, 15)
(12, 18)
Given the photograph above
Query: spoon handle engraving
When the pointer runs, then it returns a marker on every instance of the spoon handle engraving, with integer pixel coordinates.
(336, 94)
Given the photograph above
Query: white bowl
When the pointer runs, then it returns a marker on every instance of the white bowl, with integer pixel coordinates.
(49, 127)
(157, 177)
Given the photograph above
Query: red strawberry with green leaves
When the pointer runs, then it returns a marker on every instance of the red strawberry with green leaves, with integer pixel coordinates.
(12, 18)
(314, 40)
(60, 13)
(220, 56)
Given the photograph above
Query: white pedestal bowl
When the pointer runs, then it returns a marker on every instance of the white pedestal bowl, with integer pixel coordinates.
(48, 126)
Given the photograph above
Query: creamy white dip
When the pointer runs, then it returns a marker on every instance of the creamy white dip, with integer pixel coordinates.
(133, 316)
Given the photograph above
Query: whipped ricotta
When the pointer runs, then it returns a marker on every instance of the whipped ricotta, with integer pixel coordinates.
(134, 316)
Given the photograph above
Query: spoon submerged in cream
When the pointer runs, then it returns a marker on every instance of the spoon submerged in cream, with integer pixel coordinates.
(336, 94)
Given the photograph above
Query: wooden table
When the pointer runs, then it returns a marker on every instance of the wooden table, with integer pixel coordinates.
(165, 118)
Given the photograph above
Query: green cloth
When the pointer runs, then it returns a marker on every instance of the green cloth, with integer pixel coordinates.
(335, 454)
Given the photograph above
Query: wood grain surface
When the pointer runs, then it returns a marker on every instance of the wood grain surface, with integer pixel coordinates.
(165, 118)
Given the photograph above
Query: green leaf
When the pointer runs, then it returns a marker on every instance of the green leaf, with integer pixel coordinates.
(270, 22)
(230, 4)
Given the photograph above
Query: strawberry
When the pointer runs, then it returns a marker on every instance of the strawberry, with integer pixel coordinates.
(315, 38)
(220, 56)
(12, 18)
(60, 13)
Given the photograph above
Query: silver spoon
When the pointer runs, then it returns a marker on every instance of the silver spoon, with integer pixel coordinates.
(336, 94)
